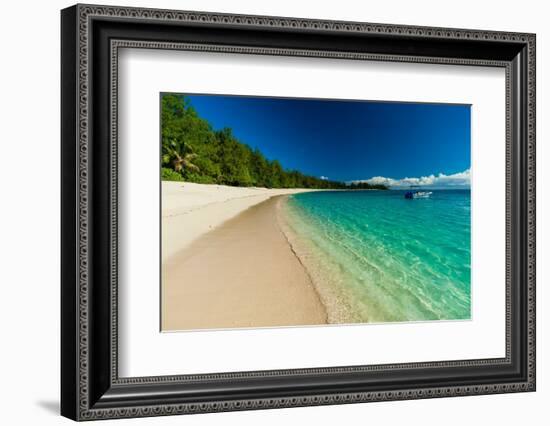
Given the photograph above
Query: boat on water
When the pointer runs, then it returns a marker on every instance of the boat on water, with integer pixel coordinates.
(414, 193)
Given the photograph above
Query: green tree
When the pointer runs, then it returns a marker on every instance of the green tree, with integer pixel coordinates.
(180, 157)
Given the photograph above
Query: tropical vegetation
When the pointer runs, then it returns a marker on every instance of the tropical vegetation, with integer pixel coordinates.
(195, 152)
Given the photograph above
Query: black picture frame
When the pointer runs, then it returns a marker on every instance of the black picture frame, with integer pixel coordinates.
(90, 38)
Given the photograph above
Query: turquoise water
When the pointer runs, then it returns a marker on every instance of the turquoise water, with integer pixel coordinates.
(394, 259)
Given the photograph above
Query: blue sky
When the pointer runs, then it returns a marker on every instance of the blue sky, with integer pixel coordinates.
(350, 140)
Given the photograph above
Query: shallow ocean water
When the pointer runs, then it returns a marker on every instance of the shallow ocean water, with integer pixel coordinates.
(393, 259)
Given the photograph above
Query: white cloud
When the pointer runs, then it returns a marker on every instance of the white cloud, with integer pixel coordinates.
(460, 180)
(324, 178)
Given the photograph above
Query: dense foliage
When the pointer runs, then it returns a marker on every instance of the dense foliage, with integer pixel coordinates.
(193, 151)
(169, 174)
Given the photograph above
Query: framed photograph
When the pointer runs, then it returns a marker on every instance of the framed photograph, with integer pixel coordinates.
(263, 212)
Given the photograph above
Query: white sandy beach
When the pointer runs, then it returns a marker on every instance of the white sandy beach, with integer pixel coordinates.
(190, 210)
(227, 263)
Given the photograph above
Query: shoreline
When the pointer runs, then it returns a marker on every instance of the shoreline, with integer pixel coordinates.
(268, 266)
(243, 273)
(334, 295)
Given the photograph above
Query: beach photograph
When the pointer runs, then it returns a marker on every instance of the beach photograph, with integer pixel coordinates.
(279, 212)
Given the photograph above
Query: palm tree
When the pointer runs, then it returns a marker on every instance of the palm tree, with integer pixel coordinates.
(180, 157)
